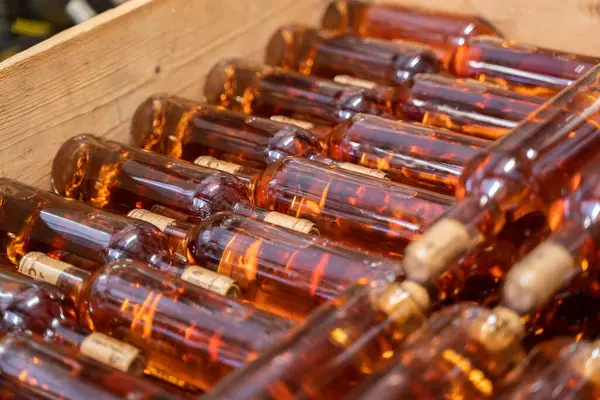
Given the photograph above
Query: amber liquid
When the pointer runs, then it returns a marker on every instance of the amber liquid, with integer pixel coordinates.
(330, 55)
(277, 269)
(267, 91)
(36, 220)
(341, 343)
(413, 154)
(521, 172)
(556, 369)
(120, 178)
(465, 106)
(446, 359)
(443, 31)
(188, 334)
(370, 214)
(523, 68)
(187, 130)
(32, 369)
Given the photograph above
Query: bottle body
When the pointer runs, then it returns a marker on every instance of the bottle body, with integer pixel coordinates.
(336, 346)
(468, 357)
(277, 269)
(329, 55)
(466, 106)
(187, 130)
(35, 370)
(521, 172)
(559, 369)
(412, 154)
(268, 91)
(185, 332)
(120, 178)
(523, 68)
(443, 31)
(371, 214)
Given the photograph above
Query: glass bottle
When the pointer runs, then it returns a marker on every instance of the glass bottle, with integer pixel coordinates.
(572, 248)
(408, 153)
(561, 369)
(443, 31)
(278, 270)
(36, 220)
(350, 340)
(29, 308)
(465, 357)
(467, 106)
(339, 344)
(524, 171)
(186, 130)
(119, 178)
(33, 370)
(367, 213)
(523, 68)
(190, 336)
(334, 55)
(274, 93)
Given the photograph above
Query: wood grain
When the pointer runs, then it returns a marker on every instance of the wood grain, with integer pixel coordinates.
(91, 77)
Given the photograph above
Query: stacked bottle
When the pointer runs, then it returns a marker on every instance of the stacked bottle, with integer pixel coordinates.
(368, 213)
(466, 106)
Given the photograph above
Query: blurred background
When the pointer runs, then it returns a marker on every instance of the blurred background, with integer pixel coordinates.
(24, 23)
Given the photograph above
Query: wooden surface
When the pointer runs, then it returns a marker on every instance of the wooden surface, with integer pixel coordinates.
(91, 77)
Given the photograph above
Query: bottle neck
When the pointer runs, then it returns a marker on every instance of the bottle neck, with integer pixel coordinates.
(70, 279)
(248, 176)
(532, 282)
(98, 346)
(466, 225)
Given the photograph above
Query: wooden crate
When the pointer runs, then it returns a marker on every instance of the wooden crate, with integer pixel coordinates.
(89, 79)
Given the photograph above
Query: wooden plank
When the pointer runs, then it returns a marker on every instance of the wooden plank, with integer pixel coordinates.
(559, 24)
(91, 77)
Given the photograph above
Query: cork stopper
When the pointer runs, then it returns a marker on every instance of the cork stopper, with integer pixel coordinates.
(428, 257)
(160, 221)
(500, 330)
(214, 163)
(398, 295)
(212, 281)
(352, 81)
(41, 267)
(533, 280)
(586, 363)
(296, 224)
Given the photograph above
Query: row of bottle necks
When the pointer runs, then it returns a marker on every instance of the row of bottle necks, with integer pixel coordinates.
(271, 267)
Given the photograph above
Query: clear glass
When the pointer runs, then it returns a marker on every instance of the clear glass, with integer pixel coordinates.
(523, 68)
(329, 55)
(372, 214)
(443, 31)
(467, 106)
(277, 269)
(32, 369)
(462, 352)
(339, 344)
(269, 91)
(32, 308)
(420, 156)
(413, 154)
(561, 369)
(37, 220)
(186, 332)
(524, 171)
